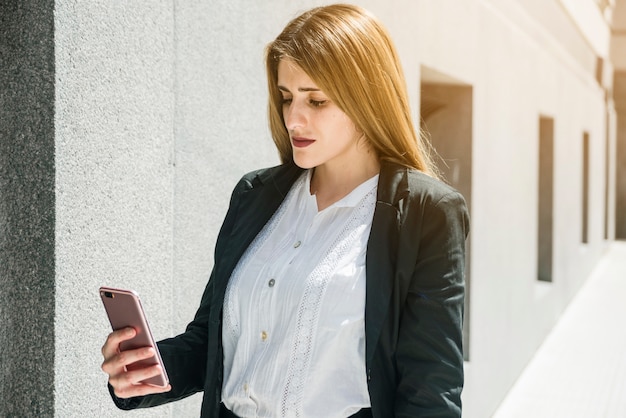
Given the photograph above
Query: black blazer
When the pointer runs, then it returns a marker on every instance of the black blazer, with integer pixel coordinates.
(414, 296)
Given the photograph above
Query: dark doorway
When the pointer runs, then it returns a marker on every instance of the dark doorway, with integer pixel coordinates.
(446, 117)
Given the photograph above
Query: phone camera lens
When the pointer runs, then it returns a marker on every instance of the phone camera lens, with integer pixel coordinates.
(108, 294)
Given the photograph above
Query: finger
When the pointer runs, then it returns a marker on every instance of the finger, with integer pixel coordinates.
(111, 346)
(116, 363)
(140, 390)
(129, 383)
(139, 376)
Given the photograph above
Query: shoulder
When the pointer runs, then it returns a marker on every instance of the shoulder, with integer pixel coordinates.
(266, 171)
(403, 183)
(424, 186)
(280, 176)
(422, 201)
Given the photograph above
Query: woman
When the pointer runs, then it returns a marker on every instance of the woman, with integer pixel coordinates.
(338, 287)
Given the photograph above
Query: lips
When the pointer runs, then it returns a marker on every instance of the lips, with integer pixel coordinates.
(301, 142)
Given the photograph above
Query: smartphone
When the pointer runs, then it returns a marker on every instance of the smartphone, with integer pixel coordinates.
(124, 309)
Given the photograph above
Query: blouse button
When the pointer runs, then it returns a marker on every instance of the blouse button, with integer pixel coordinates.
(271, 283)
(263, 335)
(297, 244)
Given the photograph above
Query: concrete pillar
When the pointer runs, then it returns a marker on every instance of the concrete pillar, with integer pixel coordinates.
(27, 208)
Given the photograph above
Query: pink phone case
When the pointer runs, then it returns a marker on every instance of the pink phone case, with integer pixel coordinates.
(124, 309)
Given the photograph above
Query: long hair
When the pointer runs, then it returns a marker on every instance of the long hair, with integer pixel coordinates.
(347, 52)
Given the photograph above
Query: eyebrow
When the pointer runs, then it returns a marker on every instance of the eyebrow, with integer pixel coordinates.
(301, 89)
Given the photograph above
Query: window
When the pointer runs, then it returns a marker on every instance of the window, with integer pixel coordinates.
(545, 199)
(585, 191)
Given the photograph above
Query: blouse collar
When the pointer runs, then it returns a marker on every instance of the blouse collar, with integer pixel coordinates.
(351, 199)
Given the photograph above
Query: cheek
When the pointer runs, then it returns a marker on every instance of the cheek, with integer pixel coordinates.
(349, 129)
(342, 122)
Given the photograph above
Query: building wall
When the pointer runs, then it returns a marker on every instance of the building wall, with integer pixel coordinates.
(519, 70)
(114, 120)
(160, 108)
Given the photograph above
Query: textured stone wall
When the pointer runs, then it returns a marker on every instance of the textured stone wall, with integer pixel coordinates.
(115, 81)
(27, 215)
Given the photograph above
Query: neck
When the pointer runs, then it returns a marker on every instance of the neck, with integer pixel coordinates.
(330, 184)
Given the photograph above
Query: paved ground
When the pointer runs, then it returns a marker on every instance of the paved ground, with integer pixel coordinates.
(580, 370)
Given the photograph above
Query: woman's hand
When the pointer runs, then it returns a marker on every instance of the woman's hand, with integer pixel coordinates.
(126, 384)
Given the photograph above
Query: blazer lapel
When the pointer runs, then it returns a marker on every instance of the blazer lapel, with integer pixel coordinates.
(382, 252)
(255, 207)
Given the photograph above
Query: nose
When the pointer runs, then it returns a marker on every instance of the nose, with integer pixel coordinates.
(294, 116)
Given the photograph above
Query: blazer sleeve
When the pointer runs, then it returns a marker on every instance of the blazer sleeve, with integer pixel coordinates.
(429, 354)
(185, 356)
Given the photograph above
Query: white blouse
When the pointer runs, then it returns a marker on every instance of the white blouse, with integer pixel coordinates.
(293, 329)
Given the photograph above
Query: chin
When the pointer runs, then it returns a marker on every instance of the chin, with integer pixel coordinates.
(304, 166)
(303, 163)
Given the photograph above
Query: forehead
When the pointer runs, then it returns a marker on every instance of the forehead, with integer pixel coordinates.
(291, 73)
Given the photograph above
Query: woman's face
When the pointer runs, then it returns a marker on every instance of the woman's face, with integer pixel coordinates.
(320, 132)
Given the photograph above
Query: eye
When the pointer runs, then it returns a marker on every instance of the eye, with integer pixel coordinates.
(317, 103)
(286, 101)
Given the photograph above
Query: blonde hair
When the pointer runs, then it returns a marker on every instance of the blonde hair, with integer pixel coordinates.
(347, 52)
